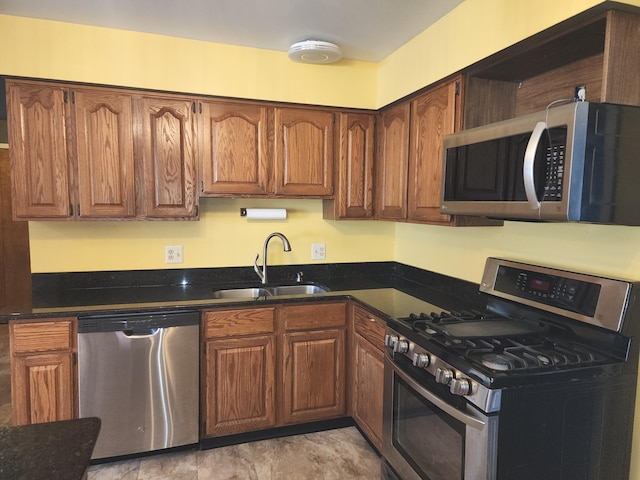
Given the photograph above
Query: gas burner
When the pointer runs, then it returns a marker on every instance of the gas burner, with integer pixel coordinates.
(496, 361)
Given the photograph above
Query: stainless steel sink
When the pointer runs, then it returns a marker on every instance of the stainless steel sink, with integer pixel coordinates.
(232, 293)
(297, 290)
(241, 293)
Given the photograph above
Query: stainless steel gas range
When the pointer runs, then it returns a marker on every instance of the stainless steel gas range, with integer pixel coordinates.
(540, 385)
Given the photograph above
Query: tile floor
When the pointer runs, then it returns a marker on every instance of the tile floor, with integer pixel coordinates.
(330, 455)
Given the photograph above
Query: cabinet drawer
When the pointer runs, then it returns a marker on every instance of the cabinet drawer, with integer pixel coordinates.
(312, 316)
(249, 321)
(42, 336)
(369, 326)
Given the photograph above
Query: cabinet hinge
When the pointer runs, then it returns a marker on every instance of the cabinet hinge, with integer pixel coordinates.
(78, 209)
(457, 88)
(197, 210)
(65, 96)
(202, 186)
(73, 97)
(200, 106)
(193, 107)
(74, 358)
(71, 210)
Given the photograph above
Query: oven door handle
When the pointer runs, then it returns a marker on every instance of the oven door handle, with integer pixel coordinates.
(438, 402)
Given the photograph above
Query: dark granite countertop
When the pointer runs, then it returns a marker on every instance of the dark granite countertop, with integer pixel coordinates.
(46, 451)
(392, 289)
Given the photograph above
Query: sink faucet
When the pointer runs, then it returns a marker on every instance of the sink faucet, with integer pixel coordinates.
(263, 273)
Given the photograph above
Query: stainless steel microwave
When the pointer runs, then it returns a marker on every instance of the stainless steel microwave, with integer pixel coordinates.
(578, 162)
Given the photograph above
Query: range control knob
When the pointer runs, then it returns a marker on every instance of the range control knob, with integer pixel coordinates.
(421, 360)
(460, 386)
(443, 375)
(390, 340)
(401, 346)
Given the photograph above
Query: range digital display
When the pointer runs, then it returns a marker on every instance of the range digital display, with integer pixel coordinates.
(540, 285)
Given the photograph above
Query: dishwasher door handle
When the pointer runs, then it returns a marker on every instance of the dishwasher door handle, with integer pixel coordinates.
(142, 333)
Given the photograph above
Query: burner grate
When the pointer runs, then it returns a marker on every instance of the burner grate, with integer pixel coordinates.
(500, 344)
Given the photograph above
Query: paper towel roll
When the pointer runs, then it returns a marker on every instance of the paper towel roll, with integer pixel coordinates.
(264, 213)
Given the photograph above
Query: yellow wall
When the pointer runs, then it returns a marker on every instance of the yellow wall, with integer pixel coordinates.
(65, 51)
(221, 238)
(475, 29)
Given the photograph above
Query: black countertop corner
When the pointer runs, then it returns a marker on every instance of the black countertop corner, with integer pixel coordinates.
(46, 451)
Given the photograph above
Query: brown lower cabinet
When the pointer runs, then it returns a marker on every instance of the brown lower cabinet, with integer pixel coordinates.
(43, 370)
(238, 370)
(262, 367)
(270, 366)
(367, 374)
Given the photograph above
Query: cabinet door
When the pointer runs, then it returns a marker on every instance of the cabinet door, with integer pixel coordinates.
(354, 192)
(43, 388)
(39, 161)
(104, 149)
(368, 388)
(235, 149)
(392, 163)
(303, 152)
(434, 114)
(168, 152)
(239, 385)
(314, 378)
(43, 371)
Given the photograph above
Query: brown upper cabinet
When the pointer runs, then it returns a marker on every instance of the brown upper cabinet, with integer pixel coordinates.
(74, 152)
(168, 150)
(392, 163)
(354, 168)
(409, 154)
(251, 149)
(236, 149)
(303, 152)
(598, 49)
(102, 143)
(434, 114)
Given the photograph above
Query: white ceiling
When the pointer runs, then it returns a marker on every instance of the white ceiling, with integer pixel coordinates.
(366, 30)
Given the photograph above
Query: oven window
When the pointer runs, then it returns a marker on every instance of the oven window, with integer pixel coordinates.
(430, 440)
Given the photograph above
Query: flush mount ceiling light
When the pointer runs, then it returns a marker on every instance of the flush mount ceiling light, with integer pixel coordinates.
(314, 51)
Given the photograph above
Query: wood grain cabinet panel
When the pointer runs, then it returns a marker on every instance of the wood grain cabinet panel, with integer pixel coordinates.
(313, 368)
(80, 152)
(354, 165)
(392, 163)
(367, 372)
(434, 114)
(313, 361)
(105, 153)
(43, 370)
(238, 370)
(303, 152)
(368, 389)
(240, 385)
(236, 149)
(168, 149)
(39, 157)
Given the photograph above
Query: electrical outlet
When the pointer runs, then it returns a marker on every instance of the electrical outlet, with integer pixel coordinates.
(173, 254)
(318, 251)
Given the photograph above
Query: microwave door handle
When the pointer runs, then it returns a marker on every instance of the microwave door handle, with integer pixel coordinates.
(527, 166)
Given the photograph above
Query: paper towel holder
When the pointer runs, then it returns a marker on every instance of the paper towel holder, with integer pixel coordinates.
(266, 213)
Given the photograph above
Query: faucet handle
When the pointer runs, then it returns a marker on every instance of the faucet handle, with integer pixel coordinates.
(299, 276)
(256, 268)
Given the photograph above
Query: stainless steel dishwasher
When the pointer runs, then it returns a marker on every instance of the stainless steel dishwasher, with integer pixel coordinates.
(139, 375)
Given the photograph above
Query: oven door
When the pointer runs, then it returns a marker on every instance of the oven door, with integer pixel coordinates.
(427, 438)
